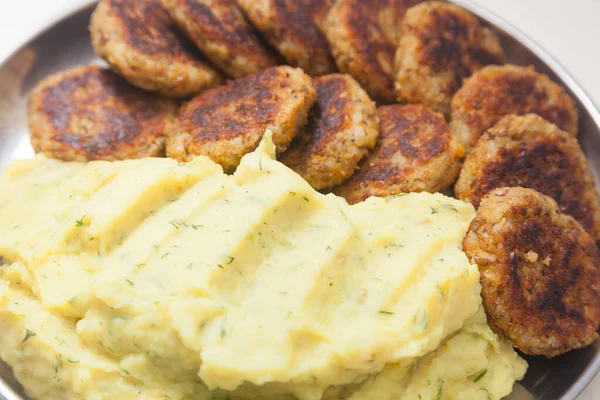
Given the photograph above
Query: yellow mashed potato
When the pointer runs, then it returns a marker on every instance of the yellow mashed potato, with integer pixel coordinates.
(149, 279)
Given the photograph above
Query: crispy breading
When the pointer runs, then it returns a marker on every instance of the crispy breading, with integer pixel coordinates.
(531, 152)
(497, 91)
(142, 44)
(540, 272)
(363, 36)
(223, 34)
(90, 113)
(343, 125)
(227, 122)
(289, 27)
(415, 152)
(440, 45)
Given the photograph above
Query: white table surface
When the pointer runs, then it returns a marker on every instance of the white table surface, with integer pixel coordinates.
(569, 30)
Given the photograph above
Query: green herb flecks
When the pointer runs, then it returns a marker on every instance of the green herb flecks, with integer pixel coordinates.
(28, 335)
(450, 207)
(80, 221)
(420, 319)
(386, 312)
(480, 375)
(440, 383)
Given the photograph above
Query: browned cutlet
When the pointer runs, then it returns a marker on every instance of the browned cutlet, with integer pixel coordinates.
(289, 27)
(90, 113)
(497, 91)
(222, 33)
(540, 272)
(227, 122)
(141, 43)
(440, 45)
(363, 36)
(531, 152)
(415, 152)
(343, 125)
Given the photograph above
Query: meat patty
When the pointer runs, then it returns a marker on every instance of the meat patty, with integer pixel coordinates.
(227, 122)
(289, 26)
(343, 125)
(497, 91)
(363, 36)
(221, 31)
(141, 43)
(540, 272)
(415, 152)
(90, 113)
(440, 45)
(531, 152)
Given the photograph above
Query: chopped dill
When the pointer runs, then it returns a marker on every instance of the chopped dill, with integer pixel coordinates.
(28, 335)
(80, 221)
(481, 375)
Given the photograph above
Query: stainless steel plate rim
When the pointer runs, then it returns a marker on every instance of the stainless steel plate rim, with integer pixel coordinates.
(594, 366)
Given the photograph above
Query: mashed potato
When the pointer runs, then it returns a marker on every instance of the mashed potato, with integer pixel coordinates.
(149, 279)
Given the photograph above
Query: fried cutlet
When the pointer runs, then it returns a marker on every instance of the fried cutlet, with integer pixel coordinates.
(227, 122)
(90, 113)
(363, 36)
(222, 33)
(415, 152)
(142, 44)
(497, 91)
(440, 45)
(289, 27)
(540, 272)
(343, 125)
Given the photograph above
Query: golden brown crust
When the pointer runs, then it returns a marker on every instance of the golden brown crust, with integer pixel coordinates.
(316, 9)
(343, 125)
(229, 121)
(539, 270)
(415, 152)
(497, 91)
(223, 34)
(531, 152)
(288, 26)
(363, 37)
(440, 45)
(142, 44)
(89, 113)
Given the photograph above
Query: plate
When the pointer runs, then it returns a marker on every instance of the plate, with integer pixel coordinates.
(67, 44)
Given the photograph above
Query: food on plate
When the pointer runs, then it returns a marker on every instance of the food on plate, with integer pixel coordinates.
(90, 113)
(440, 45)
(158, 279)
(288, 25)
(531, 152)
(415, 152)
(540, 272)
(227, 122)
(342, 126)
(141, 43)
(221, 31)
(363, 36)
(497, 91)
